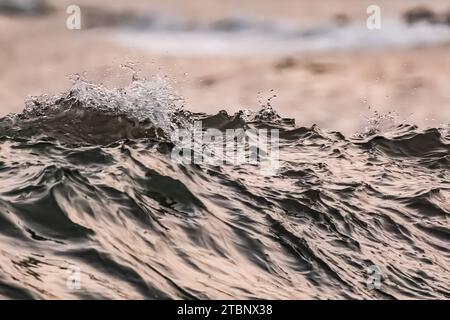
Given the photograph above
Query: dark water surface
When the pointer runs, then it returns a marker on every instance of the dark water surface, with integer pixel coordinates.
(87, 183)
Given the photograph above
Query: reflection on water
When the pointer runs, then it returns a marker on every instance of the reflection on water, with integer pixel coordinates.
(95, 208)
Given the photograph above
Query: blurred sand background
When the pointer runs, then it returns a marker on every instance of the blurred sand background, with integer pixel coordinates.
(331, 89)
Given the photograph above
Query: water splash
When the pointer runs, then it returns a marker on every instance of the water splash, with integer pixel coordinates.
(144, 106)
(379, 123)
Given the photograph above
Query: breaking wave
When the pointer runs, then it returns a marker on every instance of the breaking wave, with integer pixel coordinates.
(88, 188)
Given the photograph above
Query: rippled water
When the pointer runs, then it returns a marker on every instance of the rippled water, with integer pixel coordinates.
(88, 188)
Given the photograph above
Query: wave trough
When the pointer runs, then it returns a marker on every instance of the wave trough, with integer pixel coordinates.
(88, 184)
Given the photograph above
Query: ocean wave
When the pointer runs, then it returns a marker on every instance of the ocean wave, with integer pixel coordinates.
(89, 186)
